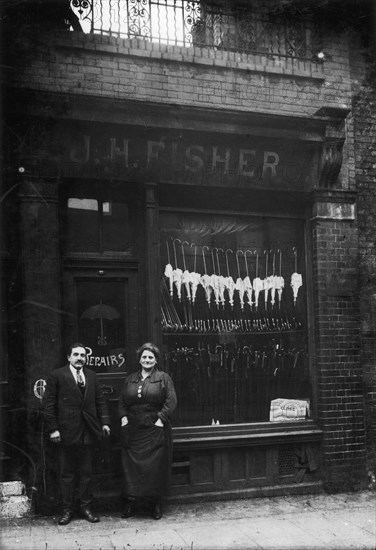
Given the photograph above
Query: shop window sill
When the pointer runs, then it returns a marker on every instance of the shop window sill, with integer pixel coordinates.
(247, 434)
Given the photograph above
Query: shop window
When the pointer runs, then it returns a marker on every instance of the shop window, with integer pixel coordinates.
(96, 226)
(234, 318)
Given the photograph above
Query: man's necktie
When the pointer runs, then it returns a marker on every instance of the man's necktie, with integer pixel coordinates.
(80, 380)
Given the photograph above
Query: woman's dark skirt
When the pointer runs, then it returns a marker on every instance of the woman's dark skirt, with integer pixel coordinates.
(146, 460)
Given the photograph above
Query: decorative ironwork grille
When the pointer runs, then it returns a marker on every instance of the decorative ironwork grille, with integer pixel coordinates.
(199, 23)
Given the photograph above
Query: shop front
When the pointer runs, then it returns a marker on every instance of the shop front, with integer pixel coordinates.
(193, 231)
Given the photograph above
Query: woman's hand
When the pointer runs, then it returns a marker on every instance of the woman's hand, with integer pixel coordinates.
(55, 436)
(159, 423)
(124, 421)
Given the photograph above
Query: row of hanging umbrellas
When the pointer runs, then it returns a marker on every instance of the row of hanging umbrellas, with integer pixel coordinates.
(184, 317)
(222, 287)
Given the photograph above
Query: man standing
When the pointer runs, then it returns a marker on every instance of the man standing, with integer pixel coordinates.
(75, 415)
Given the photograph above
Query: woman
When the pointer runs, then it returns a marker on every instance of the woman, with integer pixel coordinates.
(146, 402)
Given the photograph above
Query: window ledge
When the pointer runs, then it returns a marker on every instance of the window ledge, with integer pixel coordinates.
(107, 257)
(273, 64)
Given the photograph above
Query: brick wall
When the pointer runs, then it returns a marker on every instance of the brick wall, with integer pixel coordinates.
(340, 388)
(363, 74)
(73, 62)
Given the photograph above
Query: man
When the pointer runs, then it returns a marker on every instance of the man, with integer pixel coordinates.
(75, 416)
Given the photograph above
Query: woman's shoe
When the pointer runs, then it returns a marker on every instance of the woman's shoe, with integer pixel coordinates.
(127, 511)
(157, 512)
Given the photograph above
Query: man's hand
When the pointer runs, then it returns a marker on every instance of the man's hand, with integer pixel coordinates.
(55, 436)
(106, 431)
(159, 423)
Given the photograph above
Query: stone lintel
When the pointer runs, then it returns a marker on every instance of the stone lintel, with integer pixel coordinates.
(334, 204)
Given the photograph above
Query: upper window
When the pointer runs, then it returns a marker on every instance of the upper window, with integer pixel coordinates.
(96, 226)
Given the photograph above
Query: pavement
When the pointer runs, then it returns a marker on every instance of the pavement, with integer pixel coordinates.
(318, 521)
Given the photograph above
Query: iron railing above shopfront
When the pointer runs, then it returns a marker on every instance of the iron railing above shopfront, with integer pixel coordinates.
(216, 25)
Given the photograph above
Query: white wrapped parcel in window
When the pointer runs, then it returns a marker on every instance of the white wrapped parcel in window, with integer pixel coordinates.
(288, 410)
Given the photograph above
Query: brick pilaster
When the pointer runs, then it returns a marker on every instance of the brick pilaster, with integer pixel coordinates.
(337, 336)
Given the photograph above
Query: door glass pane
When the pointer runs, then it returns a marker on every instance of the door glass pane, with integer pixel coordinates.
(101, 323)
(234, 317)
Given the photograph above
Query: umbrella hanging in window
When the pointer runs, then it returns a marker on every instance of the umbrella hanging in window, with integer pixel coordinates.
(240, 284)
(186, 276)
(279, 280)
(248, 288)
(169, 271)
(229, 282)
(296, 278)
(257, 283)
(195, 277)
(101, 311)
(177, 273)
(206, 279)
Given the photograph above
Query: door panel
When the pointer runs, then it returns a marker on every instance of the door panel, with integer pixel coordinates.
(102, 312)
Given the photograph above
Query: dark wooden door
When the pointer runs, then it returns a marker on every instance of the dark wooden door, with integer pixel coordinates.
(102, 311)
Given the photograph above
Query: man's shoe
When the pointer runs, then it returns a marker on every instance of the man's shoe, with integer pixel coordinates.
(66, 518)
(127, 511)
(88, 514)
(157, 512)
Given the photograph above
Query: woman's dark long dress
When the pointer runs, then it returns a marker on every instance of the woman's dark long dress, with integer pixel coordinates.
(147, 448)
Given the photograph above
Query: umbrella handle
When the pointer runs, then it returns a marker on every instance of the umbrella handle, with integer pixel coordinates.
(219, 269)
(213, 261)
(194, 262)
(173, 244)
(182, 252)
(296, 258)
(102, 340)
(203, 257)
(245, 260)
(228, 271)
(168, 253)
(280, 261)
(237, 260)
(266, 252)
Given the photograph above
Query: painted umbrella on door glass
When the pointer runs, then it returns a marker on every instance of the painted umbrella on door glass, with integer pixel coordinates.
(101, 311)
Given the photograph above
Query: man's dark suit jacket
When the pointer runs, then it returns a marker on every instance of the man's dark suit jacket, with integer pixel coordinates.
(68, 411)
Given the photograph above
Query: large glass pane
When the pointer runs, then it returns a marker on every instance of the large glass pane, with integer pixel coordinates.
(234, 317)
(82, 225)
(115, 226)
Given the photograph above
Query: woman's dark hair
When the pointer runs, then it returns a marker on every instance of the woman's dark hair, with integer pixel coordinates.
(149, 347)
(76, 345)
